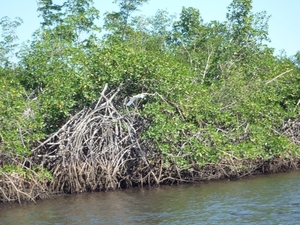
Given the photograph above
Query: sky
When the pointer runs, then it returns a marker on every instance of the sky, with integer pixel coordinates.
(284, 27)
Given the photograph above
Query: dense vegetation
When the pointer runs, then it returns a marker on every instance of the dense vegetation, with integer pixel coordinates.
(217, 95)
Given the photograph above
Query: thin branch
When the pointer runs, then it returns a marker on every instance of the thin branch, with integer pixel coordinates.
(278, 76)
(207, 65)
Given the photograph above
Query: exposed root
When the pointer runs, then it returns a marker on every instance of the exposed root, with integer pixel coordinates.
(100, 148)
(292, 129)
(15, 187)
(94, 150)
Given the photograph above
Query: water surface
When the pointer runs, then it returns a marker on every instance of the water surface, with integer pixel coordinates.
(267, 199)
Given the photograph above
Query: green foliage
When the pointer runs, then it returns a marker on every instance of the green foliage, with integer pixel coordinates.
(189, 25)
(297, 59)
(119, 23)
(8, 39)
(219, 90)
(55, 65)
(70, 19)
(223, 104)
(245, 27)
(19, 121)
(37, 172)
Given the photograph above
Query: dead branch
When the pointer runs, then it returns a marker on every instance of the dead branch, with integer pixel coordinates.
(278, 76)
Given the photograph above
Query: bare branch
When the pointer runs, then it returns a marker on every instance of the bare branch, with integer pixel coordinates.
(278, 76)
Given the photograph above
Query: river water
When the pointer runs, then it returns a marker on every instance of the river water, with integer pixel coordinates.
(267, 199)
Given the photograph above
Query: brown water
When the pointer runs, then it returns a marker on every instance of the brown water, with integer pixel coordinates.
(271, 199)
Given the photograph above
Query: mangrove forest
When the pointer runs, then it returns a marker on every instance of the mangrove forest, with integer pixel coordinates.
(142, 101)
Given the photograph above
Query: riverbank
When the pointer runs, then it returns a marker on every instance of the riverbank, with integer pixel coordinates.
(253, 200)
(16, 188)
(260, 199)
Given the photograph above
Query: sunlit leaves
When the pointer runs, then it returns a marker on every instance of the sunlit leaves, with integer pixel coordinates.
(20, 122)
(119, 23)
(212, 96)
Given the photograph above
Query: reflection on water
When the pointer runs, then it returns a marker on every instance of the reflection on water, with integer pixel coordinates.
(272, 199)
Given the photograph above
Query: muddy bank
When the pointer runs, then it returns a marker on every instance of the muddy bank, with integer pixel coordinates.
(83, 178)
